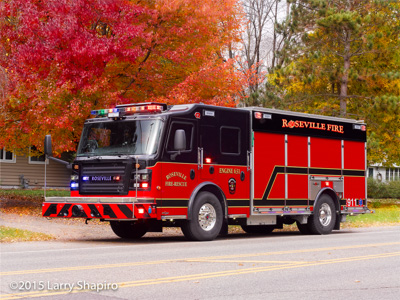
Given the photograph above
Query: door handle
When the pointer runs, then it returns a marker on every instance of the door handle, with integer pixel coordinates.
(249, 166)
(200, 158)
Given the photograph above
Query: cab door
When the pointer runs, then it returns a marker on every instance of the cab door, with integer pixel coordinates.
(208, 152)
(224, 145)
(179, 170)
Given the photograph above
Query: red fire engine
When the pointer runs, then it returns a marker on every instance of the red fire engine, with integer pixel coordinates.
(146, 166)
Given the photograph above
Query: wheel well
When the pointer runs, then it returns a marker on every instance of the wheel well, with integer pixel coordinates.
(215, 190)
(331, 193)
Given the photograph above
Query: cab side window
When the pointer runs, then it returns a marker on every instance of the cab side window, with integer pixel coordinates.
(188, 128)
(230, 140)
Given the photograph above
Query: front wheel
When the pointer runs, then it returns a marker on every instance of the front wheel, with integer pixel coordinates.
(128, 229)
(323, 220)
(206, 218)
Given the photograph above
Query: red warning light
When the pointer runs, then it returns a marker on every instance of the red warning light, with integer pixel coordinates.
(258, 115)
(208, 160)
(327, 184)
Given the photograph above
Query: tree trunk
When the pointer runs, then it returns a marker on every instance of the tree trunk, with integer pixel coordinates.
(343, 87)
(344, 82)
(275, 37)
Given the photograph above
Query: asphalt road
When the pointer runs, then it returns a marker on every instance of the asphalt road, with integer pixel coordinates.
(351, 264)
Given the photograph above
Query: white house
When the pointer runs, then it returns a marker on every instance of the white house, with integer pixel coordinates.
(28, 171)
(384, 174)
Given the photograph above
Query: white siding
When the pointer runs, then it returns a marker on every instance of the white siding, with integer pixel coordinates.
(57, 174)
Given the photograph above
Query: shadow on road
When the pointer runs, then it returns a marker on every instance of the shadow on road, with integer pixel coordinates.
(161, 238)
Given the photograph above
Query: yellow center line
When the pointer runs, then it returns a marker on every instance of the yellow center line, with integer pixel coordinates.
(78, 268)
(250, 270)
(248, 261)
(301, 251)
(233, 256)
(206, 275)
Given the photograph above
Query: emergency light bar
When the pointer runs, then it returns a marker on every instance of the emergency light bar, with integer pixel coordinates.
(129, 109)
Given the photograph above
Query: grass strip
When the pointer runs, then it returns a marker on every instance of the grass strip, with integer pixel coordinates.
(34, 193)
(12, 235)
(383, 216)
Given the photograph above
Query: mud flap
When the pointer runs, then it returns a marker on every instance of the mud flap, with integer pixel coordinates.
(337, 223)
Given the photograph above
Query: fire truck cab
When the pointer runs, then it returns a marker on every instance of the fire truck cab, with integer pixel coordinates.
(146, 166)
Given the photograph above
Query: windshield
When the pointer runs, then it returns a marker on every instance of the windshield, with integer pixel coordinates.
(140, 137)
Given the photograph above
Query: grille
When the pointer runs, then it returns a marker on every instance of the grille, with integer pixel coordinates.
(101, 180)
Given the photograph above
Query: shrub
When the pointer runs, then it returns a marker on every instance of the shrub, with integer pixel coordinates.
(382, 190)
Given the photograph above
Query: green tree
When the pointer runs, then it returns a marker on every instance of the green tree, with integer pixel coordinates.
(343, 59)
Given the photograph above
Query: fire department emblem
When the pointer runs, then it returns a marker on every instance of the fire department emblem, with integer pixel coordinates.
(232, 185)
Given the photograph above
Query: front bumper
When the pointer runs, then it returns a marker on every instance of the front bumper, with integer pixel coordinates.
(108, 208)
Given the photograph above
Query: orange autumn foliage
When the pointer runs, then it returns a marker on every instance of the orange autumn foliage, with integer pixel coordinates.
(64, 58)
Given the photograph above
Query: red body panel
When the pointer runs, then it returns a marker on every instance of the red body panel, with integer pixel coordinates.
(297, 186)
(269, 152)
(278, 188)
(297, 148)
(354, 159)
(354, 187)
(297, 151)
(354, 155)
(326, 153)
(325, 160)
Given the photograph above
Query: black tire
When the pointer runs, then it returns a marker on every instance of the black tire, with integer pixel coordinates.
(323, 220)
(206, 218)
(258, 229)
(128, 229)
(303, 228)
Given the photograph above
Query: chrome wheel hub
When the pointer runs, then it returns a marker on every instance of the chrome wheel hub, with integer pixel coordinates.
(207, 217)
(325, 214)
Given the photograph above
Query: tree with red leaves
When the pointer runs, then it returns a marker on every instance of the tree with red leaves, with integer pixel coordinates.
(59, 59)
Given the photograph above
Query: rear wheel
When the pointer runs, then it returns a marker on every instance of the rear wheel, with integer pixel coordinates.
(128, 229)
(323, 220)
(258, 229)
(206, 218)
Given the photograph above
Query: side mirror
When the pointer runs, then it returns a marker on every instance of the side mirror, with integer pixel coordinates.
(180, 140)
(47, 145)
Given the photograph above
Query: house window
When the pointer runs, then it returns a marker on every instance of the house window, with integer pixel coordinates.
(392, 174)
(35, 159)
(7, 156)
(370, 172)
